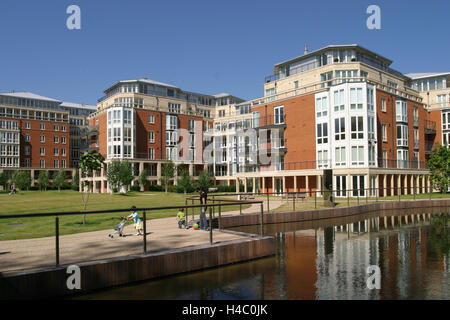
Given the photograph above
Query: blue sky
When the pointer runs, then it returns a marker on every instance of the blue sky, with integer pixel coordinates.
(204, 46)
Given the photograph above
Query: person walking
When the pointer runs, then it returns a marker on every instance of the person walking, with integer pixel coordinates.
(203, 201)
(181, 217)
(137, 221)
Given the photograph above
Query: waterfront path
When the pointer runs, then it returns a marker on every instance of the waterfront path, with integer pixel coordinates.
(162, 234)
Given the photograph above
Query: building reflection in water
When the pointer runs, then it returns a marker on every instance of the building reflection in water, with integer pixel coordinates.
(335, 260)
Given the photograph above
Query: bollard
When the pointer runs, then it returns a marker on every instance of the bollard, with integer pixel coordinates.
(293, 201)
(315, 199)
(220, 215)
(348, 198)
(57, 240)
(262, 221)
(210, 226)
(145, 232)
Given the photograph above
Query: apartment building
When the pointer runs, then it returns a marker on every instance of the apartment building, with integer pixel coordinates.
(149, 123)
(35, 133)
(434, 89)
(340, 111)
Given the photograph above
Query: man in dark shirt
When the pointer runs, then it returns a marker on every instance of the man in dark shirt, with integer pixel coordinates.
(203, 201)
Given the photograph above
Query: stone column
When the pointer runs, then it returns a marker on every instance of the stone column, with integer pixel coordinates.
(254, 185)
(158, 173)
(191, 169)
(32, 177)
(406, 183)
(307, 185)
(295, 184)
(273, 184)
(392, 185)
(412, 179)
(399, 184)
(245, 185)
(237, 185)
(263, 179)
(384, 185)
(284, 184)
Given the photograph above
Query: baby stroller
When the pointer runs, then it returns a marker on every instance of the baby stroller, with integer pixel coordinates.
(118, 229)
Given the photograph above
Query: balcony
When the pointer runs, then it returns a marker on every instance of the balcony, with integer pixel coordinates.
(430, 127)
(274, 146)
(270, 122)
(401, 164)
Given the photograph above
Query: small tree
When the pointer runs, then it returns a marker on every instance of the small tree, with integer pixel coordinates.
(60, 179)
(43, 180)
(167, 173)
(439, 166)
(204, 180)
(89, 162)
(185, 181)
(22, 179)
(142, 180)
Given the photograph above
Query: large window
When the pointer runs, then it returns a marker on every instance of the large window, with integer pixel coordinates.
(370, 99)
(356, 98)
(339, 129)
(339, 100)
(402, 135)
(322, 133)
(171, 122)
(322, 159)
(357, 127)
(358, 185)
(340, 156)
(402, 159)
(401, 111)
(321, 107)
(357, 155)
(279, 114)
(326, 77)
(371, 127)
(383, 132)
(174, 107)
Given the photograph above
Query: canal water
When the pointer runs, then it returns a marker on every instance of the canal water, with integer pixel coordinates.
(327, 259)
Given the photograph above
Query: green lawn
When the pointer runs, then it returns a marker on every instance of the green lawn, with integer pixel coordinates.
(68, 200)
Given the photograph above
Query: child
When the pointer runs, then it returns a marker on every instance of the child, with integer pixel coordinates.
(181, 218)
(137, 221)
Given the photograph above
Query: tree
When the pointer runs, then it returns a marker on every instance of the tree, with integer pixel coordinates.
(142, 180)
(204, 180)
(185, 181)
(112, 175)
(119, 175)
(126, 175)
(75, 184)
(167, 173)
(22, 179)
(89, 162)
(43, 180)
(439, 166)
(3, 180)
(60, 179)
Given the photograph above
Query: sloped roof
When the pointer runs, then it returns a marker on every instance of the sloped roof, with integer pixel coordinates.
(28, 95)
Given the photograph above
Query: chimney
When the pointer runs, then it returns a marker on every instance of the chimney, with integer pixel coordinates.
(305, 51)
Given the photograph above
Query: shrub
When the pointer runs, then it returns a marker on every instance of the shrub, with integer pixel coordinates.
(135, 188)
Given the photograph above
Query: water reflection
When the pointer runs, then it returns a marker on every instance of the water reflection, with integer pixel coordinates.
(326, 260)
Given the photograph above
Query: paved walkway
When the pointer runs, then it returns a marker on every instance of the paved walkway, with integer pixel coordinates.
(162, 234)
